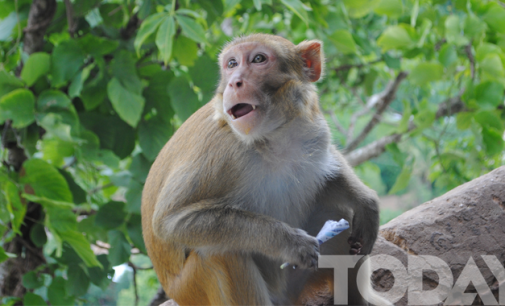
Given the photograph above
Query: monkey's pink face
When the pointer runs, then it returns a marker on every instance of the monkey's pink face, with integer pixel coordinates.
(245, 68)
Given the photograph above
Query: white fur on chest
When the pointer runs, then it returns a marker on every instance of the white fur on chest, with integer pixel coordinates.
(284, 181)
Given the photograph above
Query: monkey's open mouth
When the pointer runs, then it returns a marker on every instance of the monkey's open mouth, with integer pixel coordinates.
(240, 110)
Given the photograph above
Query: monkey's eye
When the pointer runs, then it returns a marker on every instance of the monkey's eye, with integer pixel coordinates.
(232, 63)
(259, 58)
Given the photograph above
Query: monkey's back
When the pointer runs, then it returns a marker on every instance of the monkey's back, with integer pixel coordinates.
(197, 135)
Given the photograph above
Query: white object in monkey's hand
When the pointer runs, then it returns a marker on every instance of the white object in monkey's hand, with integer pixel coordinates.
(330, 229)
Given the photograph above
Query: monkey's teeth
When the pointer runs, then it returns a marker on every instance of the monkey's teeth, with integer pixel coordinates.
(233, 117)
(254, 107)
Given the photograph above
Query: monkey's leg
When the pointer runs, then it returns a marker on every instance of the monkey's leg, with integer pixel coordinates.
(224, 279)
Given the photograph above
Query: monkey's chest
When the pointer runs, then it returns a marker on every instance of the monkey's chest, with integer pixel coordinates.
(285, 191)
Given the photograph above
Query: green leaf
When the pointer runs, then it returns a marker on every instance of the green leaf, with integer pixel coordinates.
(111, 215)
(489, 119)
(493, 140)
(360, 8)
(16, 209)
(124, 69)
(98, 46)
(147, 28)
(342, 39)
(99, 276)
(447, 55)
(205, 75)
(183, 98)
(18, 106)
(127, 104)
(257, 4)
(120, 249)
(114, 133)
(57, 293)
(45, 180)
(81, 246)
(5, 255)
(7, 25)
(489, 94)
(134, 196)
(296, 6)
(38, 235)
(214, 9)
(185, 51)
(32, 281)
(37, 65)
(139, 167)
(492, 67)
(464, 120)
(78, 280)
(390, 8)
(394, 37)
(66, 59)
(32, 299)
(424, 73)
(52, 98)
(191, 29)
(8, 83)
(77, 191)
(153, 135)
(134, 228)
(495, 17)
(403, 179)
(454, 30)
(165, 38)
(48, 203)
(55, 150)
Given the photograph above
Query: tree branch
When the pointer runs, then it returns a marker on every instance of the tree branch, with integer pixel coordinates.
(335, 120)
(384, 99)
(468, 51)
(70, 18)
(350, 66)
(356, 157)
(40, 16)
(136, 289)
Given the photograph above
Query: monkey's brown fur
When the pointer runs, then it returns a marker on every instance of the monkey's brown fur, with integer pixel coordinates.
(226, 200)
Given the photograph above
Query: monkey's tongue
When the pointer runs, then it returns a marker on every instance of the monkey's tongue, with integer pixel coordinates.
(241, 109)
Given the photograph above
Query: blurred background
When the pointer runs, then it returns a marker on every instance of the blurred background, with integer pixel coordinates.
(91, 90)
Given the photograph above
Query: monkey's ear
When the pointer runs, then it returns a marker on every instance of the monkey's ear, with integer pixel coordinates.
(313, 58)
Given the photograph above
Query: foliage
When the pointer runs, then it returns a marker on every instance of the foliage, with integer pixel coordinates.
(95, 105)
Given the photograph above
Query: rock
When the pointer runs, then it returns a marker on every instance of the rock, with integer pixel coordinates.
(465, 223)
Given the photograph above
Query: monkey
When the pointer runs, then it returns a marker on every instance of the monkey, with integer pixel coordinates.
(247, 182)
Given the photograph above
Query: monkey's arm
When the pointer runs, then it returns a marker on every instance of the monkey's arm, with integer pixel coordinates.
(353, 197)
(214, 225)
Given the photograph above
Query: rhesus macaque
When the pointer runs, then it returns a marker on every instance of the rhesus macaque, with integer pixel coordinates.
(248, 181)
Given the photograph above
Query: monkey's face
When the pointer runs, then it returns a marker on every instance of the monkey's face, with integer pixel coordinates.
(246, 68)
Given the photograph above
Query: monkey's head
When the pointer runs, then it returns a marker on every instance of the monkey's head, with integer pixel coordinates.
(266, 83)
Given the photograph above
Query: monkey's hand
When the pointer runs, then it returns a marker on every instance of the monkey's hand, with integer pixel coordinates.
(301, 250)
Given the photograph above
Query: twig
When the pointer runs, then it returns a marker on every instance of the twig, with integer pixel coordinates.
(468, 51)
(134, 268)
(70, 18)
(350, 66)
(386, 97)
(449, 107)
(335, 120)
(98, 188)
